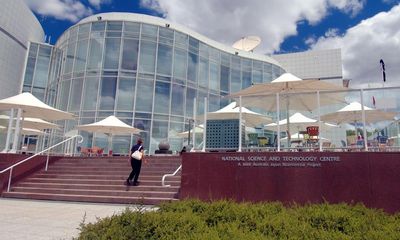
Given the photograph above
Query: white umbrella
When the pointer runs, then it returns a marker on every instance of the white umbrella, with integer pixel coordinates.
(33, 107)
(28, 131)
(298, 120)
(30, 106)
(300, 92)
(35, 123)
(232, 111)
(294, 92)
(111, 126)
(352, 113)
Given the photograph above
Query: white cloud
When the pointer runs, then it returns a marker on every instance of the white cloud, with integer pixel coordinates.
(71, 10)
(364, 45)
(228, 20)
(98, 3)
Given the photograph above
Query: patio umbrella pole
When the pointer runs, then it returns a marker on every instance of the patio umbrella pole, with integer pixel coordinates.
(363, 119)
(240, 124)
(109, 142)
(205, 121)
(17, 132)
(277, 122)
(10, 123)
(319, 122)
(288, 122)
(194, 122)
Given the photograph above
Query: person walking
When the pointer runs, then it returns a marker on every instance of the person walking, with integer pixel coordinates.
(136, 164)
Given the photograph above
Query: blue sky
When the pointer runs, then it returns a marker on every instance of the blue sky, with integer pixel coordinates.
(283, 25)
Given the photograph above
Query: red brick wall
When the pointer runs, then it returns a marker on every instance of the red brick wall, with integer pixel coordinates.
(301, 177)
(23, 170)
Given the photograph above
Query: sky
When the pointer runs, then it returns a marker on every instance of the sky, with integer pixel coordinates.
(365, 30)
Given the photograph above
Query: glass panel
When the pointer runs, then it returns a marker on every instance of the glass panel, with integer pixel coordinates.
(30, 68)
(235, 61)
(147, 57)
(84, 31)
(161, 100)
(130, 54)
(203, 74)
(114, 26)
(181, 40)
(64, 95)
(98, 26)
(160, 129)
(213, 103)
(108, 89)
(111, 57)
(257, 76)
(267, 75)
(225, 59)
(42, 69)
(76, 94)
(214, 76)
(144, 95)
(33, 50)
(164, 59)
(236, 84)
(70, 57)
(193, 67)
(95, 53)
(131, 27)
(225, 73)
(193, 45)
(246, 79)
(81, 53)
(204, 49)
(149, 32)
(126, 92)
(177, 99)
(190, 95)
(180, 62)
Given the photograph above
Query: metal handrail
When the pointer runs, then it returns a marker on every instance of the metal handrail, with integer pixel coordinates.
(47, 160)
(170, 175)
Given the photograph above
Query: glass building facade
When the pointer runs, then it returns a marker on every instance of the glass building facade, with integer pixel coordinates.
(145, 72)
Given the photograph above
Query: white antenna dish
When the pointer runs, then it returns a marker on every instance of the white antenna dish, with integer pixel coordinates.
(248, 43)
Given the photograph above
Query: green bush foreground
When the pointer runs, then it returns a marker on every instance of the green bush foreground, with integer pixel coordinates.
(193, 219)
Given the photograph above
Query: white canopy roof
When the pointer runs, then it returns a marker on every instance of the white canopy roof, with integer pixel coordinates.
(33, 107)
(294, 92)
(27, 131)
(232, 111)
(298, 120)
(110, 125)
(353, 113)
(35, 123)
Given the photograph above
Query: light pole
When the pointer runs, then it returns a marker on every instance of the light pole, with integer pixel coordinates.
(190, 128)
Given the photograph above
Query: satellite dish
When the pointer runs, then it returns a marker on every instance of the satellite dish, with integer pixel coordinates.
(248, 43)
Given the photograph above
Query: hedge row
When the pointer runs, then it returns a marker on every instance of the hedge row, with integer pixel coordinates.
(193, 219)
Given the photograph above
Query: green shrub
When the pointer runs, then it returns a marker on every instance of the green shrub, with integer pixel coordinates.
(194, 219)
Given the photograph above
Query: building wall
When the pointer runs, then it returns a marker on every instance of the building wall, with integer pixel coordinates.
(18, 26)
(147, 72)
(318, 64)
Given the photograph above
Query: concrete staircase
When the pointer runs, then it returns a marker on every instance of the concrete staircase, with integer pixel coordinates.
(101, 179)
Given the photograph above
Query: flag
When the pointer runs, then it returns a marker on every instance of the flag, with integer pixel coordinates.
(373, 101)
(383, 70)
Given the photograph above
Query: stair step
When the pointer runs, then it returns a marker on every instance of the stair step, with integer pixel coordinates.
(90, 198)
(99, 181)
(118, 185)
(128, 191)
(108, 168)
(103, 177)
